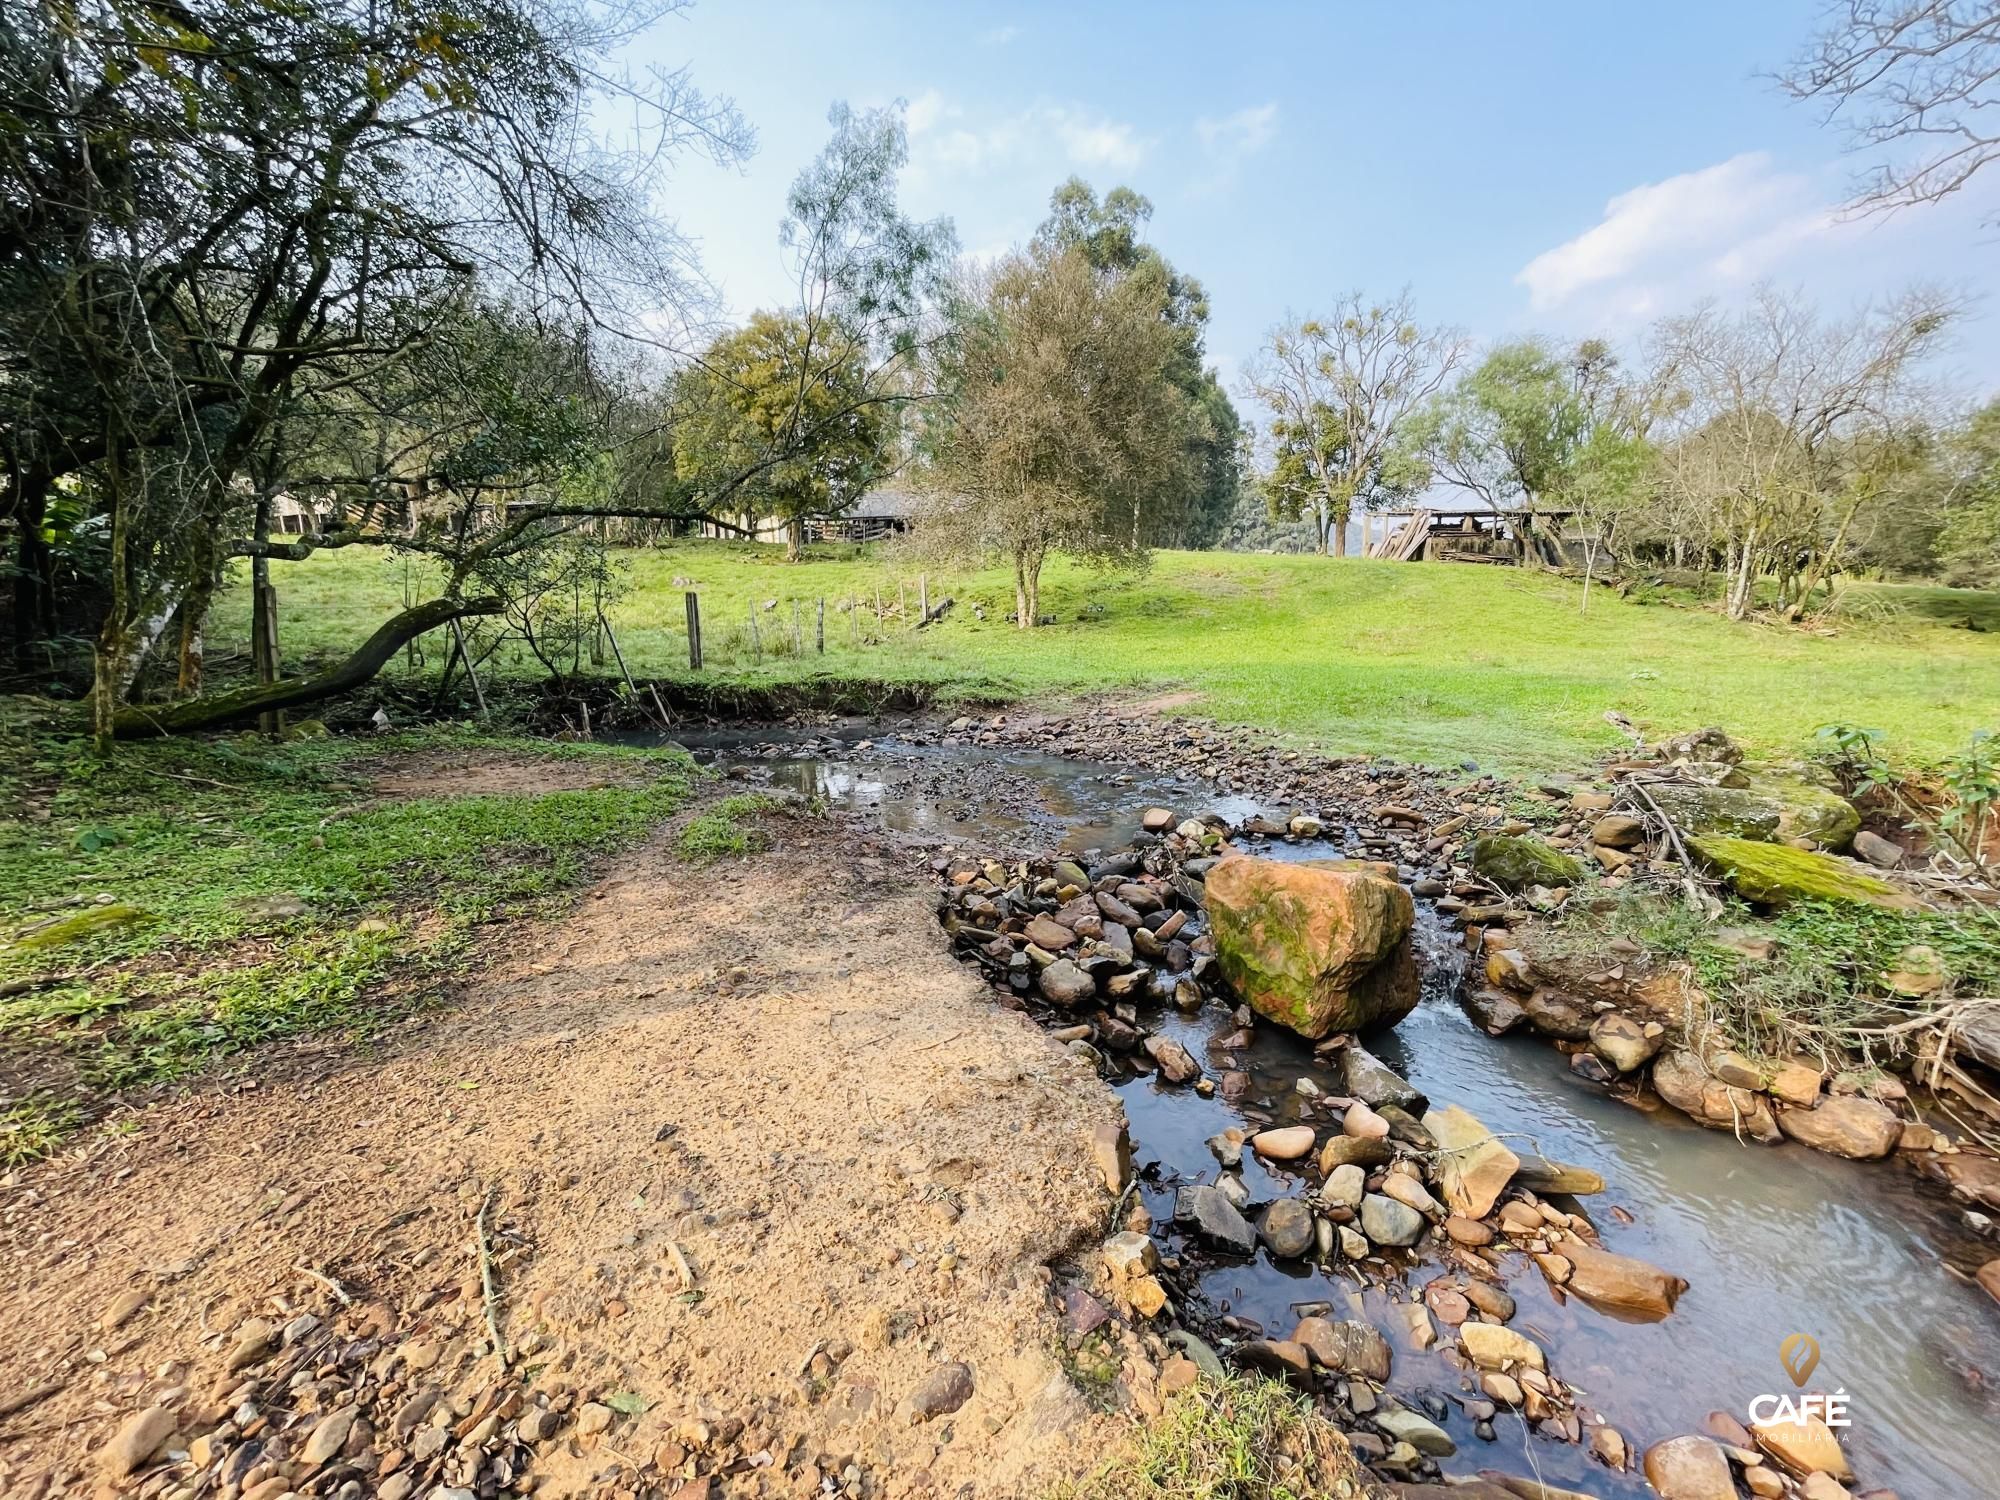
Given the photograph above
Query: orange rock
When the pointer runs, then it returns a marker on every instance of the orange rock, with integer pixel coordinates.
(1319, 945)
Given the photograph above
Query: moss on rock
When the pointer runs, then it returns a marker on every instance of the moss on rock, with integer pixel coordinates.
(1514, 863)
(1769, 808)
(86, 923)
(1778, 875)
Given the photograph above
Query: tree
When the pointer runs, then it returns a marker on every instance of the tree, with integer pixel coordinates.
(1795, 427)
(1062, 414)
(814, 440)
(1342, 391)
(1109, 235)
(1546, 429)
(1919, 79)
(214, 217)
(1968, 478)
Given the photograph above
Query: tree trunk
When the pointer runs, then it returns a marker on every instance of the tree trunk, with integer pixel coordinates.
(1339, 535)
(34, 578)
(374, 654)
(1022, 619)
(795, 539)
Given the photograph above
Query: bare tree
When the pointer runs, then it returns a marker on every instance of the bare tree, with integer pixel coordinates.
(1794, 427)
(1920, 77)
(1340, 390)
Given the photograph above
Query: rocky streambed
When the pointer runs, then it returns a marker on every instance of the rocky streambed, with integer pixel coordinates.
(1770, 1241)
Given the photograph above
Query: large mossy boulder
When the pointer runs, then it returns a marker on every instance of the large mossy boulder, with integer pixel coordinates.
(1769, 808)
(1778, 875)
(1318, 945)
(1514, 862)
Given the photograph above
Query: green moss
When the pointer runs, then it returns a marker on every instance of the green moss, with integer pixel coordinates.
(1769, 808)
(79, 925)
(1778, 875)
(1514, 862)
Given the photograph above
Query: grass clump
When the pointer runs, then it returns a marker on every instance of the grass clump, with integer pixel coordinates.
(1825, 977)
(189, 899)
(1241, 1439)
(726, 831)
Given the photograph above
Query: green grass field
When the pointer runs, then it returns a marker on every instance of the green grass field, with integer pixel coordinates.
(1429, 663)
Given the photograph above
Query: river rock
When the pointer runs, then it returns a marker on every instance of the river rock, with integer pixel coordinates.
(1618, 830)
(1111, 1151)
(1284, 1143)
(1803, 1447)
(1279, 1357)
(1387, 1222)
(1624, 1042)
(1474, 1167)
(1620, 1281)
(1877, 850)
(141, 1436)
(1555, 1014)
(1350, 1347)
(1156, 819)
(1362, 1121)
(1046, 932)
(1405, 1188)
(1845, 1125)
(1768, 809)
(1375, 1083)
(1988, 1276)
(1680, 1078)
(1319, 945)
(1352, 1150)
(1287, 1228)
(1514, 862)
(1175, 1063)
(1344, 1186)
(1492, 1347)
(1539, 1174)
(1419, 1431)
(940, 1393)
(1215, 1218)
(1063, 983)
(1494, 1011)
(1778, 875)
(1495, 1301)
(1689, 1468)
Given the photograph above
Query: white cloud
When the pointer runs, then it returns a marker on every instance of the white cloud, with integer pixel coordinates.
(1248, 130)
(1732, 221)
(999, 36)
(1041, 138)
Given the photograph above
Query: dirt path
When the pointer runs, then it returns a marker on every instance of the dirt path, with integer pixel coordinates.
(766, 1077)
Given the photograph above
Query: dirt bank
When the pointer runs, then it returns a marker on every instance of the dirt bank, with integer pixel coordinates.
(753, 1161)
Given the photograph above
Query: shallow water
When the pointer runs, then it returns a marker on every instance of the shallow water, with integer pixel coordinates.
(1773, 1240)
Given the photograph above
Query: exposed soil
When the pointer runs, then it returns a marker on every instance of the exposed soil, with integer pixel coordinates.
(770, 1071)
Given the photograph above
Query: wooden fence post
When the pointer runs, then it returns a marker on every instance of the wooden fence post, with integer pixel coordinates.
(923, 597)
(756, 641)
(694, 631)
(821, 635)
(798, 641)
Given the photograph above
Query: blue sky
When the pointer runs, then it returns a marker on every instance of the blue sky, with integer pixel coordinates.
(1569, 168)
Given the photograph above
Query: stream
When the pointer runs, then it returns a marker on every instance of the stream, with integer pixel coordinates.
(1772, 1240)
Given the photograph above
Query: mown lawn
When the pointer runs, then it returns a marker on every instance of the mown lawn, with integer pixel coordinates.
(1430, 663)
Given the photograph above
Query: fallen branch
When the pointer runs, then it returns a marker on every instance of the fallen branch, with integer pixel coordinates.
(490, 1296)
(339, 1291)
(147, 721)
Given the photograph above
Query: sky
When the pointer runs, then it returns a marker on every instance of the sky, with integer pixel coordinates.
(1569, 169)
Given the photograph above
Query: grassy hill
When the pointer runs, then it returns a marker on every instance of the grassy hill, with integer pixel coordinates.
(1425, 662)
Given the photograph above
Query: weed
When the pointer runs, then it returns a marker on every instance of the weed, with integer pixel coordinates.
(31, 1129)
(1240, 1439)
(725, 830)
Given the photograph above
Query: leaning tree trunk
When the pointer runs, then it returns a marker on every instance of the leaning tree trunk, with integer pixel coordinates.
(375, 652)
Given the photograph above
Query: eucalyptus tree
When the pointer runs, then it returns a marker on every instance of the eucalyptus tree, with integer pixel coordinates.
(1062, 413)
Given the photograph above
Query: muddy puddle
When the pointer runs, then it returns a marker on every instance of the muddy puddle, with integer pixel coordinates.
(1773, 1240)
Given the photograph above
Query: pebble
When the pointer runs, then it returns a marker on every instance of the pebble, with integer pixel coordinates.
(592, 1418)
(141, 1436)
